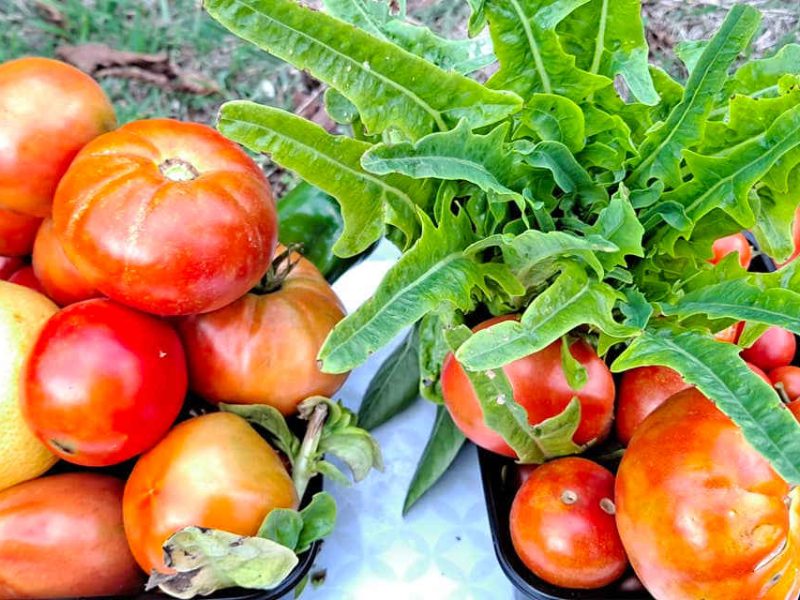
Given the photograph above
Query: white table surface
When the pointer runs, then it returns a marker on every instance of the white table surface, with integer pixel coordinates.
(442, 550)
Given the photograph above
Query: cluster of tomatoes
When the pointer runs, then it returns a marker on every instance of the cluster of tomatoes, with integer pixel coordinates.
(152, 249)
(693, 507)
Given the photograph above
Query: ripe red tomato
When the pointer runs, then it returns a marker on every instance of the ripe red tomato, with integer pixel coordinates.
(539, 386)
(641, 391)
(775, 348)
(25, 276)
(48, 111)
(701, 513)
(732, 243)
(103, 383)
(167, 217)
(760, 373)
(212, 471)
(62, 537)
(788, 378)
(17, 231)
(59, 277)
(562, 525)
(226, 349)
(9, 265)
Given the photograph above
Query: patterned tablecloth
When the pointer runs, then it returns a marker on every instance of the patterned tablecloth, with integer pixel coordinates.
(442, 550)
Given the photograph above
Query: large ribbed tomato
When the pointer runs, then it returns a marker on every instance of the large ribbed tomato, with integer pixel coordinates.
(17, 232)
(58, 276)
(48, 111)
(103, 382)
(167, 217)
(540, 387)
(262, 349)
(701, 513)
(211, 471)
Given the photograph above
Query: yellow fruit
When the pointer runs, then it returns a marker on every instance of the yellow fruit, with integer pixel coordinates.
(23, 313)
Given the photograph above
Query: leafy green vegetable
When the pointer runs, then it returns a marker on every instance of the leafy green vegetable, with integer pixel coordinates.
(441, 450)
(297, 530)
(394, 387)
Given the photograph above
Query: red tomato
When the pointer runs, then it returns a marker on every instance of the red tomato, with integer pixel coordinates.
(539, 386)
(9, 265)
(211, 471)
(48, 111)
(103, 383)
(562, 525)
(732, 243)
(788, 378)
(17, 231)
(226, 349)
(167, 217)
(62, 537)
(25, 276)
(701, 513)
(775, 348)
(59, 277)
(641, 391)
(730, 334)
(760, 373)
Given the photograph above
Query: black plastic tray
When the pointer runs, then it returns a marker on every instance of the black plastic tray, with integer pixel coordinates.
(500, 478)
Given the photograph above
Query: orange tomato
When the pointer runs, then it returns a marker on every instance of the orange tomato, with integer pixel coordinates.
(48, 111)
(17, 232)
(212, 471)
(58, 276)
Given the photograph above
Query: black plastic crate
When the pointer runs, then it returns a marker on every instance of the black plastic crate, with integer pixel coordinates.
(501, 480)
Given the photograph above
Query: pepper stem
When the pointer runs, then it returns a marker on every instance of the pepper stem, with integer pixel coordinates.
(304, 465)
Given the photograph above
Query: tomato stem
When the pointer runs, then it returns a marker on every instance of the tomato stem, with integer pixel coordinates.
(282, 265)
(177, 169)
(304, 464)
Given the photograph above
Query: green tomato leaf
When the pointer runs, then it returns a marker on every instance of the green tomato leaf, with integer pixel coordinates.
(441, 450)
(773, 228)
(207, 560)
(391, 88)
(568, 173)
(272, 421)
(282, 525)
(434, 273)
(319, 520)
(741, 300)
(718, 371)
(339, 108)
(555, 118)
(607, 37)
(375, 17)
(574, 372)
(433, 349)
(619, 224)
(689, 52)
(356, 449)
(574, 299)
(759, 78)
(395, 385)
(531, 57)
(660, 153)
(332, 163)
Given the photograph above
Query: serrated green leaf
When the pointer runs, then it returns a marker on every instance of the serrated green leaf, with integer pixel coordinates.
(660, 153)
(574, 372)
(458, 154)
(433, 273)
(619, 224)
(573, 299)
(443, 446)
(332, 163)
(433, 349)
(375, 17)
(555, 118)
(207, 560)
(319, 520)
(568, 173)
(718, 371)
(689, 52)
(773, 228)
(607, 37)
(391, 88)
(724, 182)
(759, 78)
(531, 57)
(739, 299)
(395, 385)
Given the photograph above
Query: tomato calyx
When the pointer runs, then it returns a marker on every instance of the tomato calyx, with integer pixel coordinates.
(178, 170)
(282, 265)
